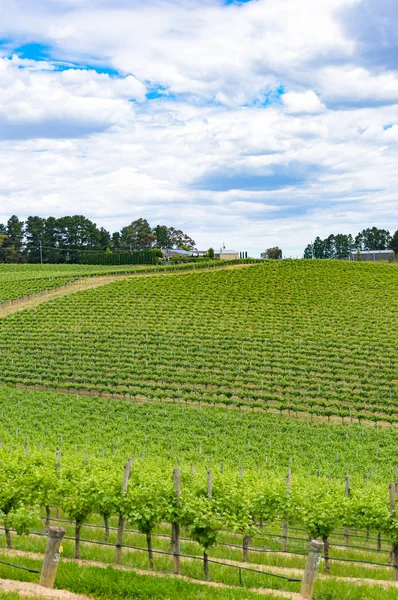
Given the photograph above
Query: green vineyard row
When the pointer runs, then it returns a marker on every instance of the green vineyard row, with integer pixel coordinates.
(294, 337)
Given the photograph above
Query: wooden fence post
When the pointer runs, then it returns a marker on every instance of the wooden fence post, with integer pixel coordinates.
(311, 570)
(120, 525)
(285, 523)
(51, 556)
(175, 527)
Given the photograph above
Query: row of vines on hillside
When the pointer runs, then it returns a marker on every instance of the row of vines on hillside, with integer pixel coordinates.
(290, 337)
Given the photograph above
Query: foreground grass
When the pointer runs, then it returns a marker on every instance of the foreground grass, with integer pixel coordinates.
(111, 584)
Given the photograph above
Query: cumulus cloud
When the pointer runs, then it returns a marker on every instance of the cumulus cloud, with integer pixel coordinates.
(304, 102)
(46, 103)
(256, 123)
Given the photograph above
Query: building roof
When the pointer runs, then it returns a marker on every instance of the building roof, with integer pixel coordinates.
(177, 251)
(372, 251)
(228, 251)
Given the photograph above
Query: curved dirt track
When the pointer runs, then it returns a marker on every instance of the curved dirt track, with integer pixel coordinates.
(89, 283)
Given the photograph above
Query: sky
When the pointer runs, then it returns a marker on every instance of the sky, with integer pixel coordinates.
(250, 123)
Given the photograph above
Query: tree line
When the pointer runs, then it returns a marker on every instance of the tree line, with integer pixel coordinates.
(64, 239)
(342, 245)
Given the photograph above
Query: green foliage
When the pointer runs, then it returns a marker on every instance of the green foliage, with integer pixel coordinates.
(321, 509)
(274, 253)
(290, 336)
(394, 242)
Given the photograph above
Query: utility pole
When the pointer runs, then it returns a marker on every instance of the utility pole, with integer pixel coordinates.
(41, 253)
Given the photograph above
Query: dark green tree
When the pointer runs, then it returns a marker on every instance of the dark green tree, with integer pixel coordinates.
(274, 253)
(115, 241)
(104, 239)
(329, 247)
(34, 236)
(51, 241)
(343, 245)
(394, 242)
(163, 237)
(137, 236)
(308, 252)
(3, 238)
(13, 243)
(373, 239)
(318, 248)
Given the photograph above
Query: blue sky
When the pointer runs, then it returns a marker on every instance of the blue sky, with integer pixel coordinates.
(257, 123)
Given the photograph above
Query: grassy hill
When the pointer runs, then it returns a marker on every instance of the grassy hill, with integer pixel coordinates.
(294, 336)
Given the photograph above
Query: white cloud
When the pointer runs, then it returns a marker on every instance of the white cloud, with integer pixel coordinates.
(61, 102)
(304, 102)
(225, 154)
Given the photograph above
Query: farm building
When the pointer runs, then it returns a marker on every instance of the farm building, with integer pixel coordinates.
(227, 254)
(371, 255)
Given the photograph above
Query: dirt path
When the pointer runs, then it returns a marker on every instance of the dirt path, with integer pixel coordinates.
(89, 283)
(29, 590)
(76, 286)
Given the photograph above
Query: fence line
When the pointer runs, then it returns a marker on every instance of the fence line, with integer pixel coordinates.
(165, 552)
(19, 567)
(239, 546)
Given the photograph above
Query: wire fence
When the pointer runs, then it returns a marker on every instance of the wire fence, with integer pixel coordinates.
(166, 553)
(3, 562)
(264, 550)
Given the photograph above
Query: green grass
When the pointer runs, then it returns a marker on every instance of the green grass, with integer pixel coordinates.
(111, 584)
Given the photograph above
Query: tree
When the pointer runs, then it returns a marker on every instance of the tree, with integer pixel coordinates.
(163, 237)
(34, 235)
(319, 248)
(274, 253)
(13, 243)
(394, 242)
(3, 238)
(343, 245)
(329, 247)
(104, 239)
(157, 255)
(210, 253)
(77, 233)
(115, 241)
(51, 240)
(137, 236)
(373, 239)
(308, 251)
(180, 239)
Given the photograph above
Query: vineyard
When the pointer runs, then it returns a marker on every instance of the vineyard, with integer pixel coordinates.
(210, 424)
(294, 337)
(255, 441)
(21, 281)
